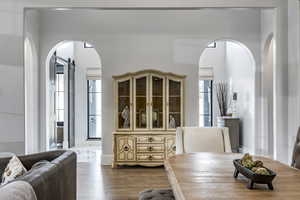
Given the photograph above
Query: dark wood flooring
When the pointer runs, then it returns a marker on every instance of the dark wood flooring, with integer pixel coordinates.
(95, 182)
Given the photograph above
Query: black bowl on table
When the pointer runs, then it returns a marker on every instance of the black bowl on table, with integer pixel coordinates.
(252, 176)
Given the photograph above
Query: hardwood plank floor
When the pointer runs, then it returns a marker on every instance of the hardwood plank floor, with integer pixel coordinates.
(102, 182)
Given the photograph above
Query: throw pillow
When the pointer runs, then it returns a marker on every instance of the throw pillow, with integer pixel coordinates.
(13, 169)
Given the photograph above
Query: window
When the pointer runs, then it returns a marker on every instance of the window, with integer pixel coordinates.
(59, 94)
(87, 45)
(94, 109)
(205, 101)
(212, 45)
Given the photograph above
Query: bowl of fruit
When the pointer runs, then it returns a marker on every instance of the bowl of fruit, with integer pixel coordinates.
(254, 170)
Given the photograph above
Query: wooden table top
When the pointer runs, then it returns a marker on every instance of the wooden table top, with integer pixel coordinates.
(210, 176)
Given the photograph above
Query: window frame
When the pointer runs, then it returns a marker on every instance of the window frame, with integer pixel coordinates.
(88, 112)
(212, 45)
(59, 123)
(211, 105)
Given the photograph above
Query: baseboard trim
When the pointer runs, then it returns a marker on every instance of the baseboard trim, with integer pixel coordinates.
(106, 159)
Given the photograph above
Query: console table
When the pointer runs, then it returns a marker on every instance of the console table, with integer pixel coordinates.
(201, 176)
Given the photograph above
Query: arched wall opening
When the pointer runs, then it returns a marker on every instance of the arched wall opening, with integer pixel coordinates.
(268, 138)
(31, 97)
(87, 92)
(230, 62)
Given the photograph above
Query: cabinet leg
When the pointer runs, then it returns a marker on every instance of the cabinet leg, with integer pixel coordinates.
(270, 185)
(236, 173)
(113, 165)
(250, 185)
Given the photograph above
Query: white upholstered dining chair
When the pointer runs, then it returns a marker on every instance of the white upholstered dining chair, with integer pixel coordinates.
(195, 139)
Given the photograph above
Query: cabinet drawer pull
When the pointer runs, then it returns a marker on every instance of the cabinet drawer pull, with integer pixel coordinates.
(150, 139)
(150, 157)
(150, 148)
(126, 148)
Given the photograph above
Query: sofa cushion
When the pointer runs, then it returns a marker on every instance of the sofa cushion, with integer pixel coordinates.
(13, 170)
(17, 190)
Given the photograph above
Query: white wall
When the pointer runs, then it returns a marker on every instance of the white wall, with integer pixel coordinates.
(85, 58)
(31, 59)
(240, 73)
(134, 46)
(232, 62)
(66, 50)
(12, 119)
(294, 74)
(266, 141)
(12, 25)
(215, 58)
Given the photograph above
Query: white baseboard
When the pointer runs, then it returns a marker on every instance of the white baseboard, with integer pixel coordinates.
(106, 159)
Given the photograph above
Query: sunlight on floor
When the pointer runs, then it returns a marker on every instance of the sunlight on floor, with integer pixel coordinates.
(89, 152)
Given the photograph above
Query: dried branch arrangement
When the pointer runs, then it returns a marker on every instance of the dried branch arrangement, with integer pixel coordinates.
(222, 93)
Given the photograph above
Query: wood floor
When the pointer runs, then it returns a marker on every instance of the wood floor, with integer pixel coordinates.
(104, 183)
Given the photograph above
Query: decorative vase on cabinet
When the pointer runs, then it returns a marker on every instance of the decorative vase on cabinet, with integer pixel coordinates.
(149, 106)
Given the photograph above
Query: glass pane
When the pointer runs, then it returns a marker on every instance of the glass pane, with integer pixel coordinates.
(59, 100)
(141, 101)
(60, 115)
(95, 103)
(95, 126)
(60, 82)
(205, 103)
(205, 121)
(157, 102)
(124, 104)
(174, 104)
(95, 86)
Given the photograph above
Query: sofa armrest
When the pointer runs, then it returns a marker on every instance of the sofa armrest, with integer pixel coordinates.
(55, 179)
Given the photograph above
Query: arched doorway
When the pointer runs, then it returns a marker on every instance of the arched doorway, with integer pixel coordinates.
(73, 97)
(232, 63)
(268, 138)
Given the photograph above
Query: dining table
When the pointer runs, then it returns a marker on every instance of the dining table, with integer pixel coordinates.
(210, 176)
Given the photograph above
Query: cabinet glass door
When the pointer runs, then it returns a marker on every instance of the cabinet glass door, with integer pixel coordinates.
(157, 102)
(141, 101)
(124, 102)
(174, 104)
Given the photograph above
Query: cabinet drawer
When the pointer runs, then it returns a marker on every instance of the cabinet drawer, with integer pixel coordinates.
(150, 148)
(150, 157)
(150, 139)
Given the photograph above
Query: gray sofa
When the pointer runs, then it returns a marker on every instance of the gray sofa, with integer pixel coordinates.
(51, 180)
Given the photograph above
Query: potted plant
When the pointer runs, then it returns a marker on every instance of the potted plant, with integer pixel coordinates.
(222, 95)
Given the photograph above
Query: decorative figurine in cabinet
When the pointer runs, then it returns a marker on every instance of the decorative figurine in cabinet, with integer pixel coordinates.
(149, 106)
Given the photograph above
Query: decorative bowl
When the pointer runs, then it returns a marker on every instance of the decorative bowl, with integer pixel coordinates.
(252, 176)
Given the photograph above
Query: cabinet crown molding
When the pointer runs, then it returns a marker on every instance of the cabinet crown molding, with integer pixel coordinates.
(149, 71)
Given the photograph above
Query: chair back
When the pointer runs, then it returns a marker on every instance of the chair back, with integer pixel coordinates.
(296, 153)
(210, 139)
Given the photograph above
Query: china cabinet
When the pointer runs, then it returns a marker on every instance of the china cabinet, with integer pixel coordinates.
(149, 106)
